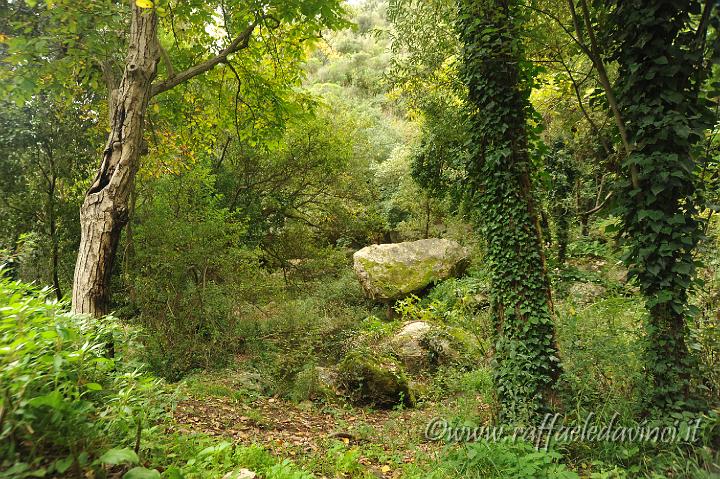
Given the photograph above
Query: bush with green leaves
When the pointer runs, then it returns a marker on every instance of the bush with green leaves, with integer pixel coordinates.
(62, 399)
(462, 303)
(190, 274)
(602, 347)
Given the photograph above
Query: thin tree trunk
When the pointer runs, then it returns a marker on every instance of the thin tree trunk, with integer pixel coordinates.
(427, 216)
(105, 209)
(52, 223)
(54, 239)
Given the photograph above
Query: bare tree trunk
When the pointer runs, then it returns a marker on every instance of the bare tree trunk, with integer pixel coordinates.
(427, 216)
(105, 209)
(54, 239)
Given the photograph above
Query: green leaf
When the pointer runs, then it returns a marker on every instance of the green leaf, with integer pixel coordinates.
(62, 465)
(141, 473)
(52, 400)
(93, 387)
(114, 457)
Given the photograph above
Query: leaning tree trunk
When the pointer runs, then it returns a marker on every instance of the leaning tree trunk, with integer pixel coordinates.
(105, 209)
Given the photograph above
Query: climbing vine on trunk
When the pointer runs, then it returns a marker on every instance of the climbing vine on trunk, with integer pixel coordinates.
(662, 65)
(499, 82)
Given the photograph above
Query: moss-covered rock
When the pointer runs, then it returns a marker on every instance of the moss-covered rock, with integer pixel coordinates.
(421, 345)
(392, 271)
(371, 380)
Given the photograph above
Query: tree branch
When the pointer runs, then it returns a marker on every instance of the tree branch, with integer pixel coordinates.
(166, 61)
(598, 207)
(112, 85)
(701, 32)
(576, 89)
(240, 43)
(596, 58)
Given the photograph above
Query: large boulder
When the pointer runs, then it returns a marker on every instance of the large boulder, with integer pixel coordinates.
(392, 271)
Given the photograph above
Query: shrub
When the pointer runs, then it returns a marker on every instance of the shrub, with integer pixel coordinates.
(602, 350)
(61, 399)
(191, 274)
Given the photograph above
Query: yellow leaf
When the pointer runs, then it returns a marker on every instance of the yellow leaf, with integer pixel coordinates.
(385, 469)
(144, 3)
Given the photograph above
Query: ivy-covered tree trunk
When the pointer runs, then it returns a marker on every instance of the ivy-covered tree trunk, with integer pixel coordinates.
(499, 83)
(105, 209)
(660, 50)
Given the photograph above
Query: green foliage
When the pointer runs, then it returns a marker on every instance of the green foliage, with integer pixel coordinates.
(463, 305)
(499, 82)
(263, 174)
(62, 398)
(666, 118)
(46, 149)
(206, 458)
(501, 460)
(602, 348)
(189, 273)
(562, 178)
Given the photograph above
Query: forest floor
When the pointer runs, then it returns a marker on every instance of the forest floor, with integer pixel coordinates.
(305, 431)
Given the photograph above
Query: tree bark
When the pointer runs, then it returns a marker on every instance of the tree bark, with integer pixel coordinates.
(55, 254)
(105, 209)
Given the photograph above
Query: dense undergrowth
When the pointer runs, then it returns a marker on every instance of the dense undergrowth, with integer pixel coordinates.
(71, 410)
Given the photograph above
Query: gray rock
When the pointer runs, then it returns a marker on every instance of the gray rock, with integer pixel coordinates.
(421, 345)
(328, 377)
(408, 346)
(249, 381)
(392, 271)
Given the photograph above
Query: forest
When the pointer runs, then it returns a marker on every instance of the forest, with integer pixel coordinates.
(417, 239)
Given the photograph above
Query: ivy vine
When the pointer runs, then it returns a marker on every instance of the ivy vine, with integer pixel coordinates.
(498, 182)
(662, 66)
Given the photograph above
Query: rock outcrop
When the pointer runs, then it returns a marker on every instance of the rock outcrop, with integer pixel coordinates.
(392, 271)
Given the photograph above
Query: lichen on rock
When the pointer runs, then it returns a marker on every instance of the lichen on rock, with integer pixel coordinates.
(392, 271)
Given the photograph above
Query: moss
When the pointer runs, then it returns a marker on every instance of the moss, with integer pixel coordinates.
(369, 380)
(394, 280)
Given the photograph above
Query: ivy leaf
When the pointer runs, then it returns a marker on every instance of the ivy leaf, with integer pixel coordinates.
(141, 473)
